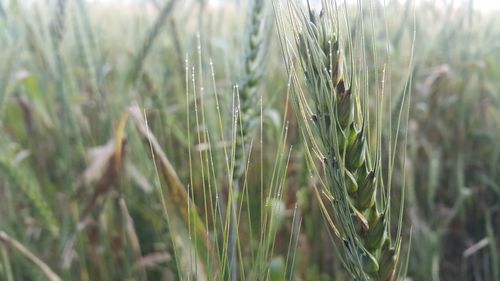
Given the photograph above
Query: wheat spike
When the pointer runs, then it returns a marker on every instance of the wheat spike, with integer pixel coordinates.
(341, 136)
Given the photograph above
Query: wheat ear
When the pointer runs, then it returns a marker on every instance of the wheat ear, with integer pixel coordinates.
(256, 43)
(340, 136)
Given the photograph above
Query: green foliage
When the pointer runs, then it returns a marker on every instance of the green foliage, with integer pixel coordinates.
(210, 181)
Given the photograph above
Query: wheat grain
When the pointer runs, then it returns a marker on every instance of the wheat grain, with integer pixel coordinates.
(341, 136)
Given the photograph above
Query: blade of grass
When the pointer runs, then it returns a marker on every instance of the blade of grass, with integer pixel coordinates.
(16, 245)
(153, 33)
(134, 239)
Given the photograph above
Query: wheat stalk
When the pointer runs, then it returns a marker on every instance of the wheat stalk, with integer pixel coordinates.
(257, 39)
(20, 248)
(57, 26)
(256, 43)
(340, 136)
(154, 32)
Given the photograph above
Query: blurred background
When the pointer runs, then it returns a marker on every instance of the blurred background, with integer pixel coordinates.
(83, 84)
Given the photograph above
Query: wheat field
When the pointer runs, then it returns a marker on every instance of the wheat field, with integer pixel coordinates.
(249, 140)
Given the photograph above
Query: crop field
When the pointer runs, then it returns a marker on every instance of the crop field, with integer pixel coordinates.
(279, 140)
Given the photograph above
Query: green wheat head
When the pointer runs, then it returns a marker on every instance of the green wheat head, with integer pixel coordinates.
(337, 129)
(253, 65)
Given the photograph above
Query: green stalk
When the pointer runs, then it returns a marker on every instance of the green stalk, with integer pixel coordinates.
(153, 33)
(339, 134)
(256, 41)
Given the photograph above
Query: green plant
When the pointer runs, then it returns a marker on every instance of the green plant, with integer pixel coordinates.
(337, 128)
(205, 180)
(253, 63)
